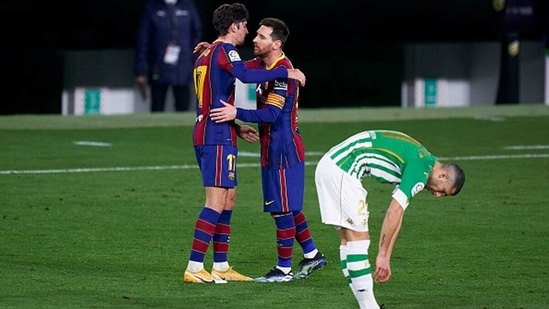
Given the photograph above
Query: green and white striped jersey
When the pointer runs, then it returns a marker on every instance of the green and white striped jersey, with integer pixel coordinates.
(389, 157)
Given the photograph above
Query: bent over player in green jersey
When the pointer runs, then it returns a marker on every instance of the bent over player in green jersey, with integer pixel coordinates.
(389, 157)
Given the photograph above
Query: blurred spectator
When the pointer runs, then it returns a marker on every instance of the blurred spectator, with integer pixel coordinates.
(516, 16)
(167, 33)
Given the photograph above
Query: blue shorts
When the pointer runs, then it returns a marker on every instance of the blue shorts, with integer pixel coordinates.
(217, 165)
(283, 188)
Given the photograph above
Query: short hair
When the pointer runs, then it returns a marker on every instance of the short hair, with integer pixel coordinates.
(457, 176)
(280, 30)
(227, 14)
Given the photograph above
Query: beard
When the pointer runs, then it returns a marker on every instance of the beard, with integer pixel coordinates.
(259, 53)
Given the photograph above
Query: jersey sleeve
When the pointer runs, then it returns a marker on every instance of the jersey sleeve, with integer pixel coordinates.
(230, 61)
(273, 105)
(414, 180)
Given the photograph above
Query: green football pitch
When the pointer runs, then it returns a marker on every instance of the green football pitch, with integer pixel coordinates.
(98, 212)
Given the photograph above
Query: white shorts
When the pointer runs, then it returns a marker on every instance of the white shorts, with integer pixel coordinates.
(341, 197)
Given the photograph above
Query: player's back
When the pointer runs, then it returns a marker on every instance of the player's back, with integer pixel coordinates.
(380, 149)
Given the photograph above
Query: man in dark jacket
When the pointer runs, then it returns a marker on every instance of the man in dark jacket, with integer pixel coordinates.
(167, 33)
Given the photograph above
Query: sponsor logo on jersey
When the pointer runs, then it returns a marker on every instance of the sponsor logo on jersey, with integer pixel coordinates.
(234, 56)
(279, 85)
(418, 187)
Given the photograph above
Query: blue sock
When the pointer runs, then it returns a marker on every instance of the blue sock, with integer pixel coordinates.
(203, 232)
(222, 236)
(285, 234)
(303, 234)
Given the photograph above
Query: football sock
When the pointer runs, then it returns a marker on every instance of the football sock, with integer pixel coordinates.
(343, 259)
(221, 239)
(343, 263)
(203, 232)
(285, 234)
(222, 266)
(360, 273)
(303, 235)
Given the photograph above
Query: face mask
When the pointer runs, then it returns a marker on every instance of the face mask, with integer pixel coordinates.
(170, 1)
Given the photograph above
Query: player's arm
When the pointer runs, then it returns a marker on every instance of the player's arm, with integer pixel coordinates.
(238, 69)
(267, 114)
(248, 76)
(387, 239)
(228, 112)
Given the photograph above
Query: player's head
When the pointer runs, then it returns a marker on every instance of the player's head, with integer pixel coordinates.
(231, 18)
(446, 179)
(271, 35)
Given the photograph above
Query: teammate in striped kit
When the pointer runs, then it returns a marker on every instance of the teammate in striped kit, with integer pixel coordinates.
(282, 154)
(215, 144)
(389, 157)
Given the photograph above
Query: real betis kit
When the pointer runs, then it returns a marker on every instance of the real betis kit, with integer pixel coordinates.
(387, 156)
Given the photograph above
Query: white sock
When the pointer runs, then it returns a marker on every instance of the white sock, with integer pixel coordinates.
(221, 266)
(285, 270)
(344, 269)
(360, 272)
(195, 266)
(311, 254)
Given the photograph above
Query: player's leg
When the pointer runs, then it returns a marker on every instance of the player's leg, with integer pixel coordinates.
(221, 270)
(343, 257)
(216, 182)
(342, 201)
(360, 270)
(357, 245)
(277, 203)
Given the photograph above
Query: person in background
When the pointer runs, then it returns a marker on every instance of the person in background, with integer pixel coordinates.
(282, 153)
(215, 73)
(389, 157)
(167, 32)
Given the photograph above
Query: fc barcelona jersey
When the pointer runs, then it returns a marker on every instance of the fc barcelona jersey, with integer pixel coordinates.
(214, 77)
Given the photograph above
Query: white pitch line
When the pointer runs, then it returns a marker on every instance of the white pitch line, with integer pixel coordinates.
(184, 167)
(526, 147)
(90, 143)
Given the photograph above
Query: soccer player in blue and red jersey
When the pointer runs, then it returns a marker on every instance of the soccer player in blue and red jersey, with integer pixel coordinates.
(282, 153)
(216, 143)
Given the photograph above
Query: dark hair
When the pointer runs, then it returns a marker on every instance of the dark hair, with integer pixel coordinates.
(458, 175)
(280, 30)
(227, 14)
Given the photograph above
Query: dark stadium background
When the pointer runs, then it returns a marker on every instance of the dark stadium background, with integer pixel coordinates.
(336, 43)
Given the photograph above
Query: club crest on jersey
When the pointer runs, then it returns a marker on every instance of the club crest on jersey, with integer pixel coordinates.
(234, 56)
(418, 187)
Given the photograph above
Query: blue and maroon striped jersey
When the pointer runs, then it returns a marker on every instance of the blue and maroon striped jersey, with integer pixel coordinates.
(214, 76)
(277, 116)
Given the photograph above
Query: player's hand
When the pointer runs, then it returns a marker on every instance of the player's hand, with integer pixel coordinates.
(223, 114)
(383, 270)
(201, 47)
(297, 75)
(247, 133)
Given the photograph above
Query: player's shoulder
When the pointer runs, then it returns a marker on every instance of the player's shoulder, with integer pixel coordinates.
(255, 62)
(283, 62)
(231, 51)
